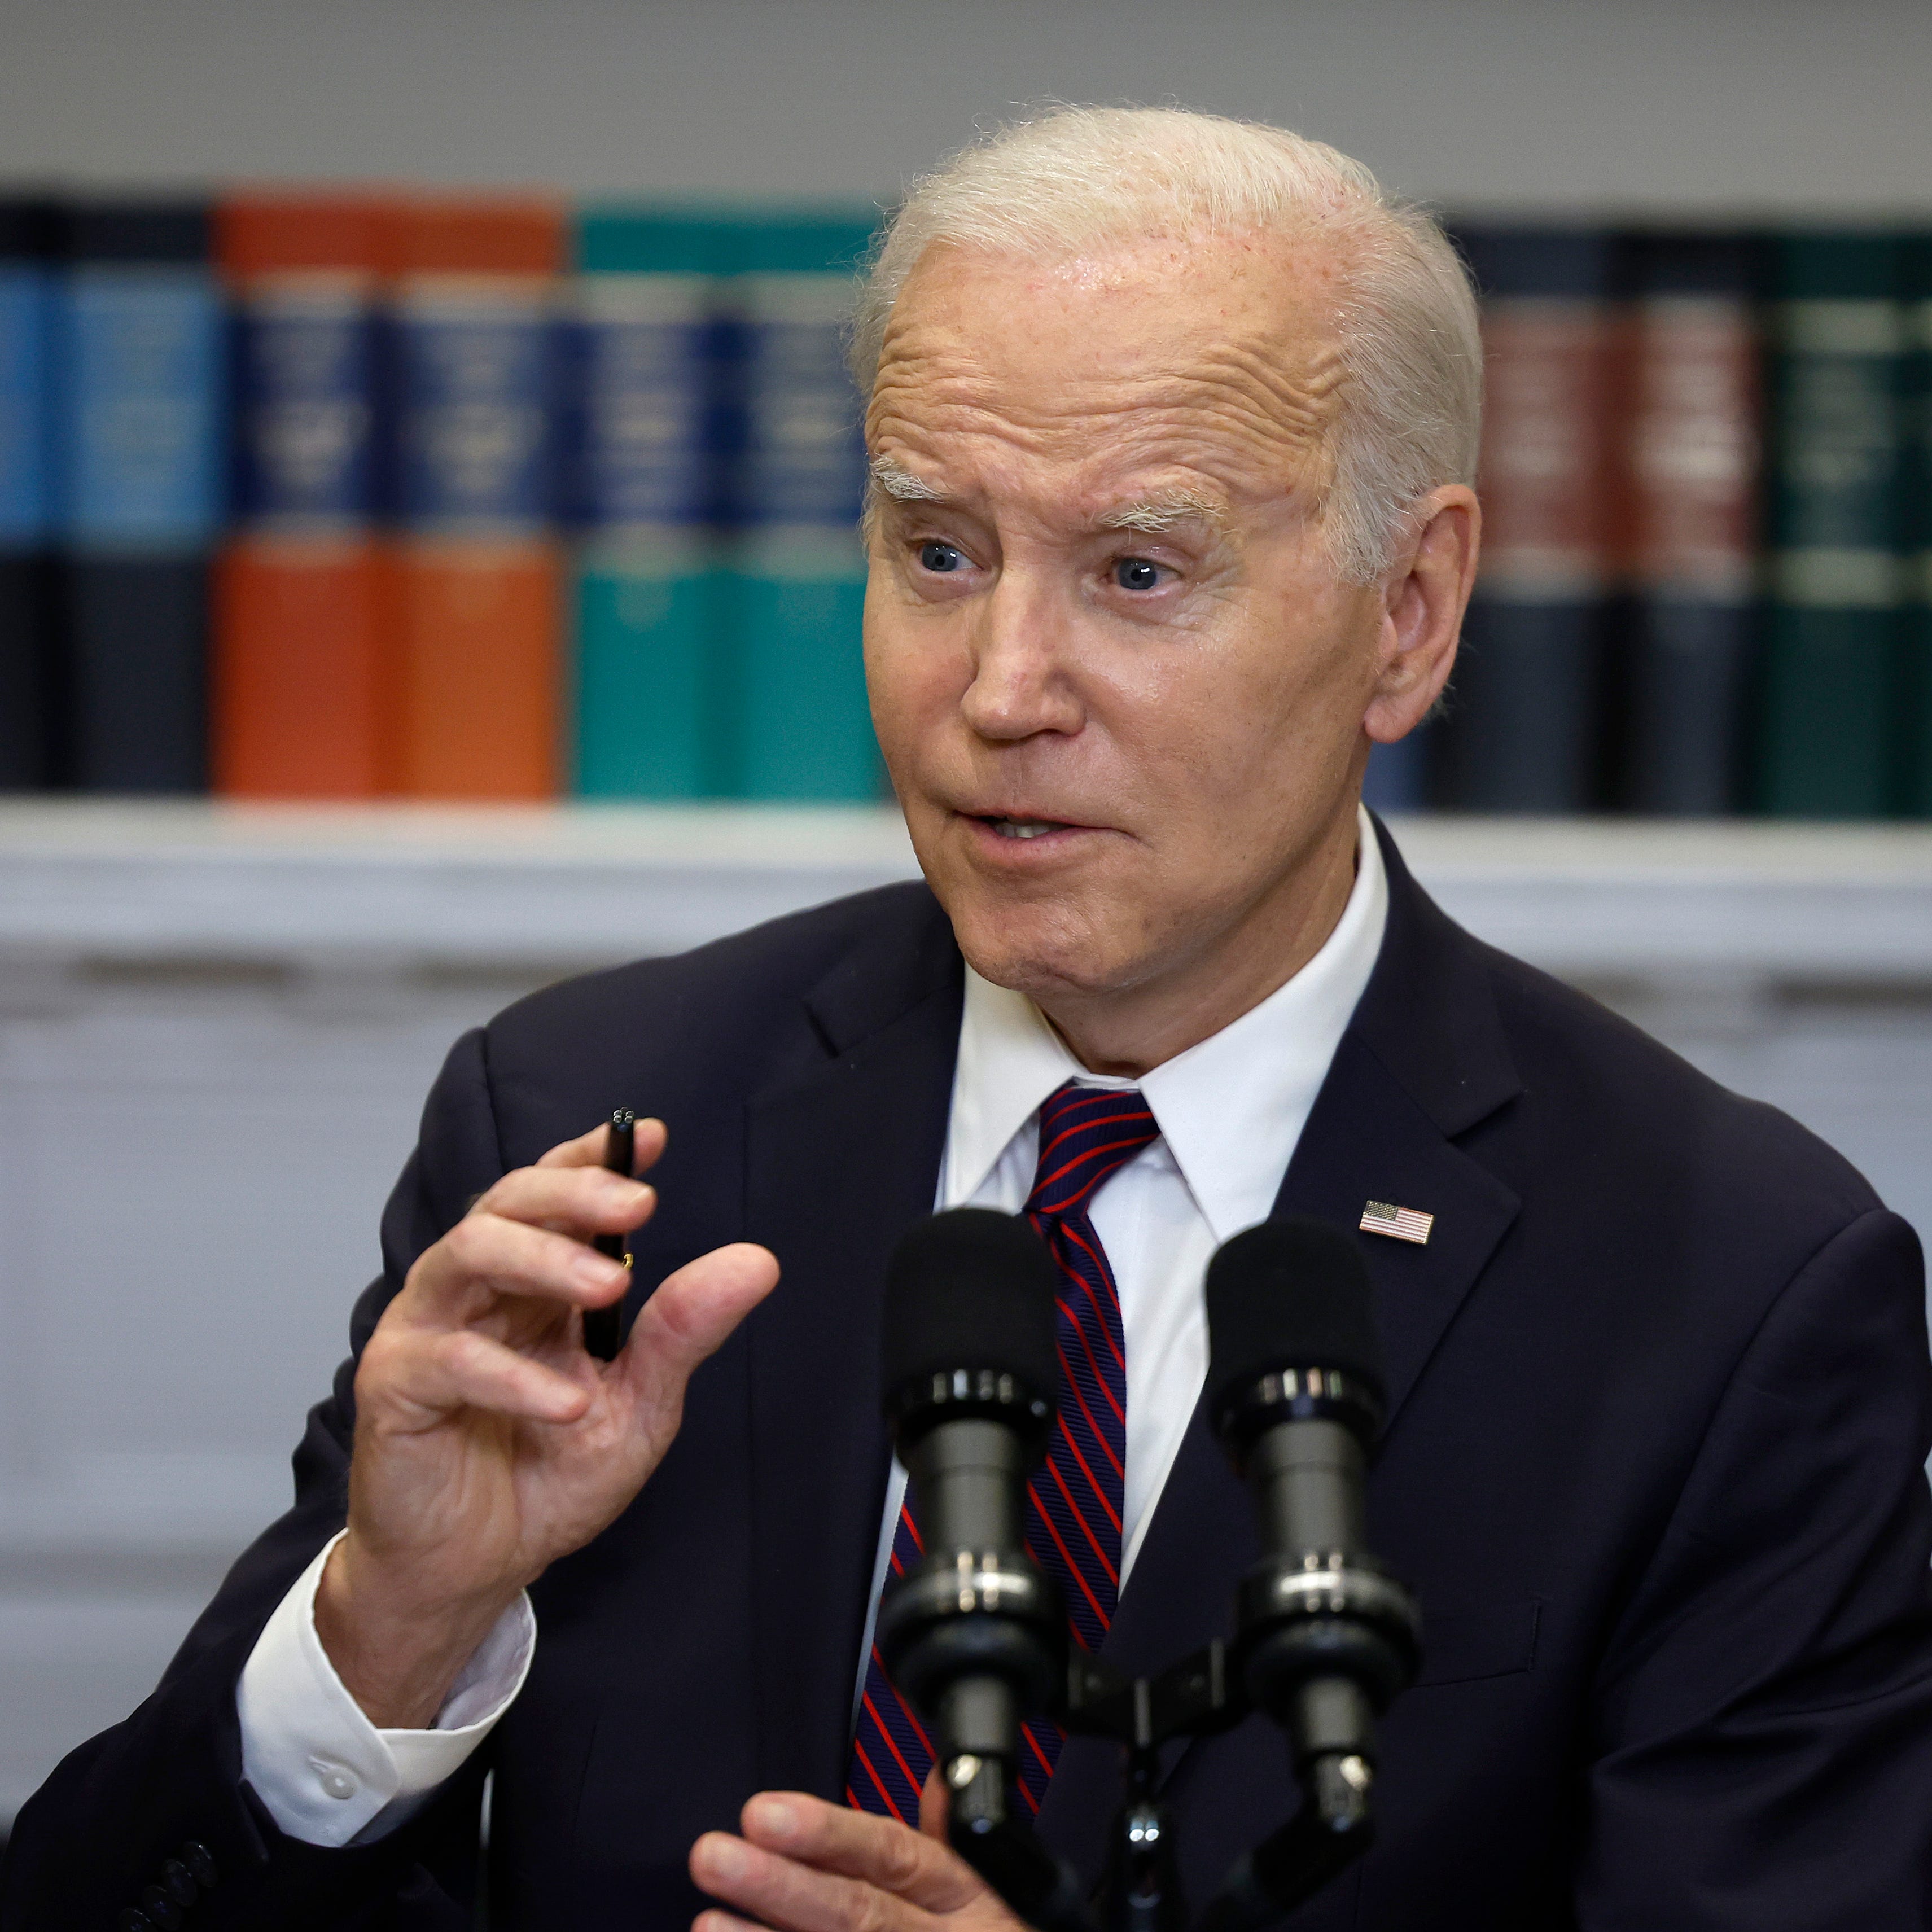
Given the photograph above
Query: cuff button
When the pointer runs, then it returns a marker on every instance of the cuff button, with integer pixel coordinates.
(177, 1882)
(131, 1921)
(200, 1862)
(162, 1909)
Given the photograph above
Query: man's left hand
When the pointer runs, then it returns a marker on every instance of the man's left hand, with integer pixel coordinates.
(803, 1865)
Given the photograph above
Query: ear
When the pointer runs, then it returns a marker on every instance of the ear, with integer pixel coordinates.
(1424, 597)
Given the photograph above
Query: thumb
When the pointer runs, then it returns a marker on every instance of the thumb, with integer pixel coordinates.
(691, 1314)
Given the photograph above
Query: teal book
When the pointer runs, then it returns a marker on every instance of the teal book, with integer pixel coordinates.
(1827, 740)
(800, 727)
(1915, 754)
(646, 460)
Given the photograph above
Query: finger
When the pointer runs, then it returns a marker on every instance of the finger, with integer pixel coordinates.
(464, 1370)
(485, 1255)
(860, 1845)
(582, 1200)
(935, 1805)
(691, 1313)
(791, 1897)
(647, 1147)
(715, 1920)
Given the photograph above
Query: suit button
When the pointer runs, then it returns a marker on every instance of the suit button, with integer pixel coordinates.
(161, 1909)
(200, 1862)
(178, 1883)
(131, 1921)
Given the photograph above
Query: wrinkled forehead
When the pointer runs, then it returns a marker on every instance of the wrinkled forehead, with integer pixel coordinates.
(1217, 356)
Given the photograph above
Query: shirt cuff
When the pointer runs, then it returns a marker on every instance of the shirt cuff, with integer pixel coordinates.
(328, 1775)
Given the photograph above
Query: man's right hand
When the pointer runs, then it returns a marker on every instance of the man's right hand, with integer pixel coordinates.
(488, 1443)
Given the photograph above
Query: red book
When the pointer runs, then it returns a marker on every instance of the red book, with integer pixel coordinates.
(303, 681)
(477, 584)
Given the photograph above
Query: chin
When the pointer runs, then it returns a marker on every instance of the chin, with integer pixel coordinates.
(1043, 950)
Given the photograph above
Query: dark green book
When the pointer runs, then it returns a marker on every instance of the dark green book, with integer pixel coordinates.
(1827, 737)
(1915, 713)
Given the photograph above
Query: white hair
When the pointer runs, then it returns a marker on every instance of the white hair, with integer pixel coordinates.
(1073, 179)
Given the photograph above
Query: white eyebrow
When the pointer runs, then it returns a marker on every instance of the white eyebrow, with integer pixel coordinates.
(899, 483)
(1153, 515)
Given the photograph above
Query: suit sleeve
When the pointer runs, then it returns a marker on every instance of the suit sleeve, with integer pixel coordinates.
(1764, 1756)
(98, 1835)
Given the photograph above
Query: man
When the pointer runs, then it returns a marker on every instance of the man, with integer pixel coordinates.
(1171, 423)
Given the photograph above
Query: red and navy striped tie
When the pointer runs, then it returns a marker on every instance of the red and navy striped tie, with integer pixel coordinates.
(1074, 1501)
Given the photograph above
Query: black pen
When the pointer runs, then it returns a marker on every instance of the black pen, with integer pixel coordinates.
(601, 1324)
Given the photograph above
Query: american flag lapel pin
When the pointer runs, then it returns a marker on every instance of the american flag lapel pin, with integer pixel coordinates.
(1400, 1224)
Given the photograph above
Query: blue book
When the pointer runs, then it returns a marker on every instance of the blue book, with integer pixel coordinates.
(801, 727)
(28, 750)
(140, 455)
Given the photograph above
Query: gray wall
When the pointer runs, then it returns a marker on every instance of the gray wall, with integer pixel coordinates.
(1715, 104)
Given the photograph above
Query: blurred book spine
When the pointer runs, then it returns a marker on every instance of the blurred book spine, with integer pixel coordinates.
(1691, 450)
(138, 434)
(302, 688)
(646, 468)
(801, 727)
(1916, 754)
(28, 719)
(471, 326)
(1525, 731)
(1827, 737)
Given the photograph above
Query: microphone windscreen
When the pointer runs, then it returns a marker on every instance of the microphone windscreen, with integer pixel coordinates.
(1290, 1294)
(971, 1289)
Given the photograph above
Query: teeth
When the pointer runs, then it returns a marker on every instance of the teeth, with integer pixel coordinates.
(1023, 828)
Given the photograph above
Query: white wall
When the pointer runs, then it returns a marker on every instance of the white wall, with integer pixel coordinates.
(1781, 104)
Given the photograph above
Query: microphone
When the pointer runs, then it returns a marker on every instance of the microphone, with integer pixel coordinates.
(1325, 1638)
(973, 1634)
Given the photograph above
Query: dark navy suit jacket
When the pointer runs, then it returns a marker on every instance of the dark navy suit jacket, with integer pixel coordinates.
(1653, 1467)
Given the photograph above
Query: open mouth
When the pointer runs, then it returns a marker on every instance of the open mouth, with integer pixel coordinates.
(1024, 828)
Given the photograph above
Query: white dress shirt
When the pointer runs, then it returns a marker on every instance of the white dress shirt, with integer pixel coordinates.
(1231, 1111)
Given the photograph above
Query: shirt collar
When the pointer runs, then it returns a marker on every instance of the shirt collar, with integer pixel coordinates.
(1230, 1109)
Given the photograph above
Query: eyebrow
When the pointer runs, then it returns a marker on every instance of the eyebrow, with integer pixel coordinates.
(901, 485)
(1151, 516)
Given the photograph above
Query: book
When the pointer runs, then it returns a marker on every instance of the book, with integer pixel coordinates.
(801, 727)
(302, 684)
(139, 441)
(1691, 456)
(1525, 728)
(29, 755)
(1826, 743)
(471, 326)
(647, 454)
(1915, 754)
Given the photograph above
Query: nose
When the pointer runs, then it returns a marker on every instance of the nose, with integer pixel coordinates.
(1023, 672)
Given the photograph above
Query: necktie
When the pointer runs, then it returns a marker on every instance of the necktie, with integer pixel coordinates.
(1074, 1501)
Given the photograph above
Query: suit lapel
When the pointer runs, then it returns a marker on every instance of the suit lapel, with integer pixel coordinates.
(1423, 1059)
(841, 1159)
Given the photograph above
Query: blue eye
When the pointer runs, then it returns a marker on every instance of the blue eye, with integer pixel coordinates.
(1135, 573)
(939, 557)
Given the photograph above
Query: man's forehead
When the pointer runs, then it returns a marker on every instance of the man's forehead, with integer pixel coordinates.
(1229, 373)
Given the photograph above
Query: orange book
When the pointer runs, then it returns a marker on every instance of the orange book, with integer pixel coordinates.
(303, 684)
(478, 591)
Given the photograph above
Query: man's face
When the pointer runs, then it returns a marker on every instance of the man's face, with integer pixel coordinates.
(1117, 685)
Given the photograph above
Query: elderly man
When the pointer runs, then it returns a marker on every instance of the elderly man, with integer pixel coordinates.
(1171, 424)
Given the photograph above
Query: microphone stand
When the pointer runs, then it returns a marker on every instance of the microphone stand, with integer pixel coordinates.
(1140, 1891)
